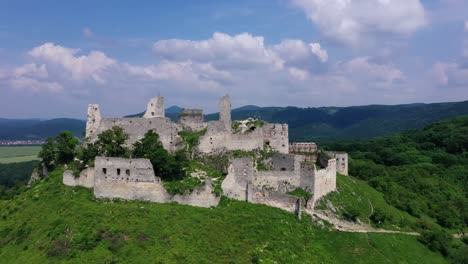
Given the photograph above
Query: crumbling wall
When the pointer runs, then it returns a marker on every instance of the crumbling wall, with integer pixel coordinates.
(130, 179)
(216, 137)
(282, 162)
(202, 196)
(86, 178)
(341, 161)
(93, 120)
(192, 120)
(137, 127)
(236, 183)
(225, 112)
(276, 136)
(155, 108)
(277, 181)
(283, 201)
(246, 141)
(308, 149)
(325, 181)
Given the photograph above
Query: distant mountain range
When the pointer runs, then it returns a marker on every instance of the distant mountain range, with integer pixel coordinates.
(305, 124)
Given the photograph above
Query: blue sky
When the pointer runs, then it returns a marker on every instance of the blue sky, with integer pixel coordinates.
(58, 56)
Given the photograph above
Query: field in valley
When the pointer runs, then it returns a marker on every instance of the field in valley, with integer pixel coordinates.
(13, 154)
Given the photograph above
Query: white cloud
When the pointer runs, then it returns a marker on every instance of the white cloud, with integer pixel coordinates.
(466, 26)
(221, 50)
(353, 21)
(362, 67)
(80, 67)
(450, 74)
(33, 85)
(31, 70)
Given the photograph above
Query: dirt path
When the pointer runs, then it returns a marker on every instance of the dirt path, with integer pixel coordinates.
(346, 226)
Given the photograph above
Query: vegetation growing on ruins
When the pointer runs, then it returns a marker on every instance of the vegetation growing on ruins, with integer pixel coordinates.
(299, 192)
(55, 223)
(191, 139)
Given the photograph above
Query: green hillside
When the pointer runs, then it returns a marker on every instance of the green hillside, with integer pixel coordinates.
(55, 223)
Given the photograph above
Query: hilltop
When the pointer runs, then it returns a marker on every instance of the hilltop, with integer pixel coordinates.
(53, 222)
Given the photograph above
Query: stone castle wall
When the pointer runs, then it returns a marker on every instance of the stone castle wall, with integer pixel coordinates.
(271, 187)
(134, 179)
(218, 136)
(276, 136)
(341, 161)
(192, 120)
(137, 127)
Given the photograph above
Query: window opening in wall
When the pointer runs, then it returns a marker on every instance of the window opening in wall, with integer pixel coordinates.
(152, 113)
(127, 171)
(267, 143)
(283, 169)
(104, 170)
(118, 171)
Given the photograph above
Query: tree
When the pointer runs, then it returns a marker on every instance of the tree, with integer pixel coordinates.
(165, 165)
(66, 145)
(110, 143)
(48, 153)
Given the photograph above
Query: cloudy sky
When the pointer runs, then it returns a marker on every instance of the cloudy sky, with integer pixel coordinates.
(56, 57)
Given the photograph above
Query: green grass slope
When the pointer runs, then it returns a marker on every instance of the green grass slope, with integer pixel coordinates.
(354, 198)
(55, 223)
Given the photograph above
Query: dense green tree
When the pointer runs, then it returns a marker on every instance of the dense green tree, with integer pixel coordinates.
(48, 153)
(66, 145)
(111, 143)
(165, 165)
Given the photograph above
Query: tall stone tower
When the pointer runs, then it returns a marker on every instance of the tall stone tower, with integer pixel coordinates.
(93, 120)
(225, 111)
(155, 108)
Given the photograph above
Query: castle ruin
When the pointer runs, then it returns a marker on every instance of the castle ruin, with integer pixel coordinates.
(290, 167)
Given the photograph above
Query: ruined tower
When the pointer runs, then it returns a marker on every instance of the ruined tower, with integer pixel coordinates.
(225, 111)
(155, 108)
(93, 119)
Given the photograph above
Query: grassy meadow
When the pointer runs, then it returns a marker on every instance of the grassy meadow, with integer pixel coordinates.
(13, 154)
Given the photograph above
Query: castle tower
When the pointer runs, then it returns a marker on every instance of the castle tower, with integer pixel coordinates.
(93, 120)
(155, 108)
(225, 111)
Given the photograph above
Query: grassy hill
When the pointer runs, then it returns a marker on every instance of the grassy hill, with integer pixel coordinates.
(55, 223)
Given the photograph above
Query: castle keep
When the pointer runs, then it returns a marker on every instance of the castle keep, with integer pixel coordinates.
(288, 167)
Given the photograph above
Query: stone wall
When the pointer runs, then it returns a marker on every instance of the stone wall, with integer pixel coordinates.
(219, 135)
(134, 179)
(93, 120)
(341, 161)
(282, 162)
(225, 112)
(86, 178)
(137, 127)
(155, 108)
(192, 120)
(324, 181)
(271, 187)
(236, 183)
(308, 149)
(276, 136)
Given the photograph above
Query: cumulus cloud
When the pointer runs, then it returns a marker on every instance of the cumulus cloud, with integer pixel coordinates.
(361, 66)
(352, 21)
(221, 49)
(288, 72)
(80, 67)
(452, 74)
